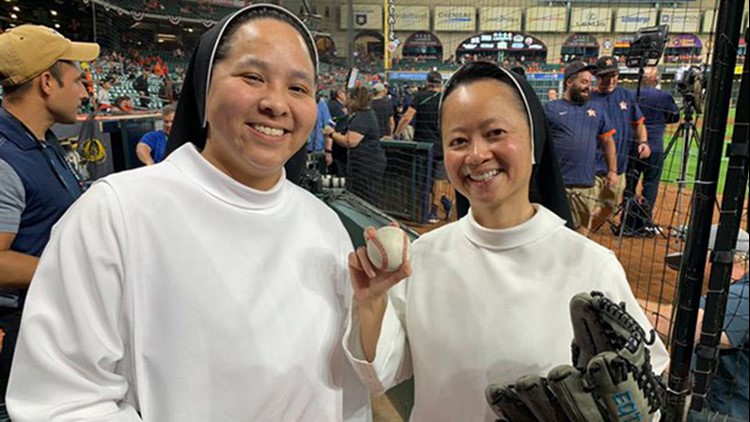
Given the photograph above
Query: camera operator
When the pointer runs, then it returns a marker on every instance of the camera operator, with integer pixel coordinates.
(659, 109)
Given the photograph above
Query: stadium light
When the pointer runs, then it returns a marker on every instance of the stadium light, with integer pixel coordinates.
(57, 26)
(16, 9)
(13, 16)
(53, 12)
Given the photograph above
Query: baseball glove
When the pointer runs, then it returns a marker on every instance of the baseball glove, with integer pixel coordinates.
(611, 379)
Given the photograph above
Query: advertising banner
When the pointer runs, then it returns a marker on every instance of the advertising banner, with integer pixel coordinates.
(591, 19)
(681, 20)
(500, 18)
(454, 19)
(412, 18)
(631, 19)
(546, 19)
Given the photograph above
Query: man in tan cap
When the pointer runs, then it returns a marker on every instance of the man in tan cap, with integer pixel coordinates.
(41, 82)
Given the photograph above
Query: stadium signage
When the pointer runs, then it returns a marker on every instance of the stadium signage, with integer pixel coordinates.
(685, 41)
(455, 18)
(546, 19)
(502, 41)
(591, 20)
(365, 17)
(681, 20)
(393, 42)
(412, 18)
(500, 18)
(631, 19)
(581, 40)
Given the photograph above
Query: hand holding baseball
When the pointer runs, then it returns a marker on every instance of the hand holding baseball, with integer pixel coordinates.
(379, 266)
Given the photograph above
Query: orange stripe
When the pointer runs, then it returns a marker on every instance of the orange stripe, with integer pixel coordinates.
(610, 133)
(639, 121)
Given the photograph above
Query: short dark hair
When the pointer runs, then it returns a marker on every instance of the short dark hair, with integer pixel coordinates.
(121, 99)
(55, 70)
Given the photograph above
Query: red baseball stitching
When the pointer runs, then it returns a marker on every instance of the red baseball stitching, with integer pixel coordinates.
(383, 254)
(404, 248)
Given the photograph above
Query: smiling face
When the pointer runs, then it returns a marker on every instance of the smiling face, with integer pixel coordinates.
(261, 102)
(487, 146)
(607, 82)
(579, 87)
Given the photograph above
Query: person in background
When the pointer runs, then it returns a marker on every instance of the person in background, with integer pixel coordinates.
(317, 141)
(578, 126)
(337, 107)
(41, 87)
(630, 136)
(367, 160)
(167, 91)
(140, 84)
(122, 105)
(152, 147)
(423, 110)
(659, 110)
(383, 108)
(103, 101)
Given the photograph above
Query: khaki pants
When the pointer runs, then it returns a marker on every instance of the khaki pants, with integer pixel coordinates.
(583, 202)
(609, 196)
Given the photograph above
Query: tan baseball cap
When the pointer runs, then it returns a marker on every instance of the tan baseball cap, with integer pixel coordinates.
(29, 50)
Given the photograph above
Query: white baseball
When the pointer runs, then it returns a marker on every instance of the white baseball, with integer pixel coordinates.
(389, 248)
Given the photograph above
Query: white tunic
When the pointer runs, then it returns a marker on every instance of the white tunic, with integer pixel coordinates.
(174, 293)
(487, 306)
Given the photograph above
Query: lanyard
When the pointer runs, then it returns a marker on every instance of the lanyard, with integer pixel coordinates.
(51, 154)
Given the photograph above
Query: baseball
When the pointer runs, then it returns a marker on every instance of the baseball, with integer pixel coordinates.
(389, 248)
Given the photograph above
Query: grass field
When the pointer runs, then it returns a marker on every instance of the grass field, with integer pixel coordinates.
(672, 162)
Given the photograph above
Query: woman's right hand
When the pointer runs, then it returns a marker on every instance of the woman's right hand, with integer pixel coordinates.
(370, 284)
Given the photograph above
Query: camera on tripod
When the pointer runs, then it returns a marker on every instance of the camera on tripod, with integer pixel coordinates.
(690, 83)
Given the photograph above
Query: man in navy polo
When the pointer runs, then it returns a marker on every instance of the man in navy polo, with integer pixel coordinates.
(578, 126)
(630, 136)
(659, 110)
(41, 82)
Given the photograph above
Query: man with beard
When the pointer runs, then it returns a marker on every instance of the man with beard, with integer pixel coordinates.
(578, 126)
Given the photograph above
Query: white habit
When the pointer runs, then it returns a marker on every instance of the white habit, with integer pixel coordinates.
(487, 306)
(174, 293)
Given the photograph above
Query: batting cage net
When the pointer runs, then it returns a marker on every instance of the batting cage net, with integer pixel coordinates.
(627, 88)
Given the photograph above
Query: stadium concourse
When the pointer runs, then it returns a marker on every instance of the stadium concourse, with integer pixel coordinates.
(389, 53)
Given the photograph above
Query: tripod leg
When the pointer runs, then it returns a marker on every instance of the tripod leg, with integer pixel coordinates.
(674, 139)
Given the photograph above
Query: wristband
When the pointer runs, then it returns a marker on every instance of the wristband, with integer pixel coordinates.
(328, 151)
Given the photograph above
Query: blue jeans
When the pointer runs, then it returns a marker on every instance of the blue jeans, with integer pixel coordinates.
(651, 169)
